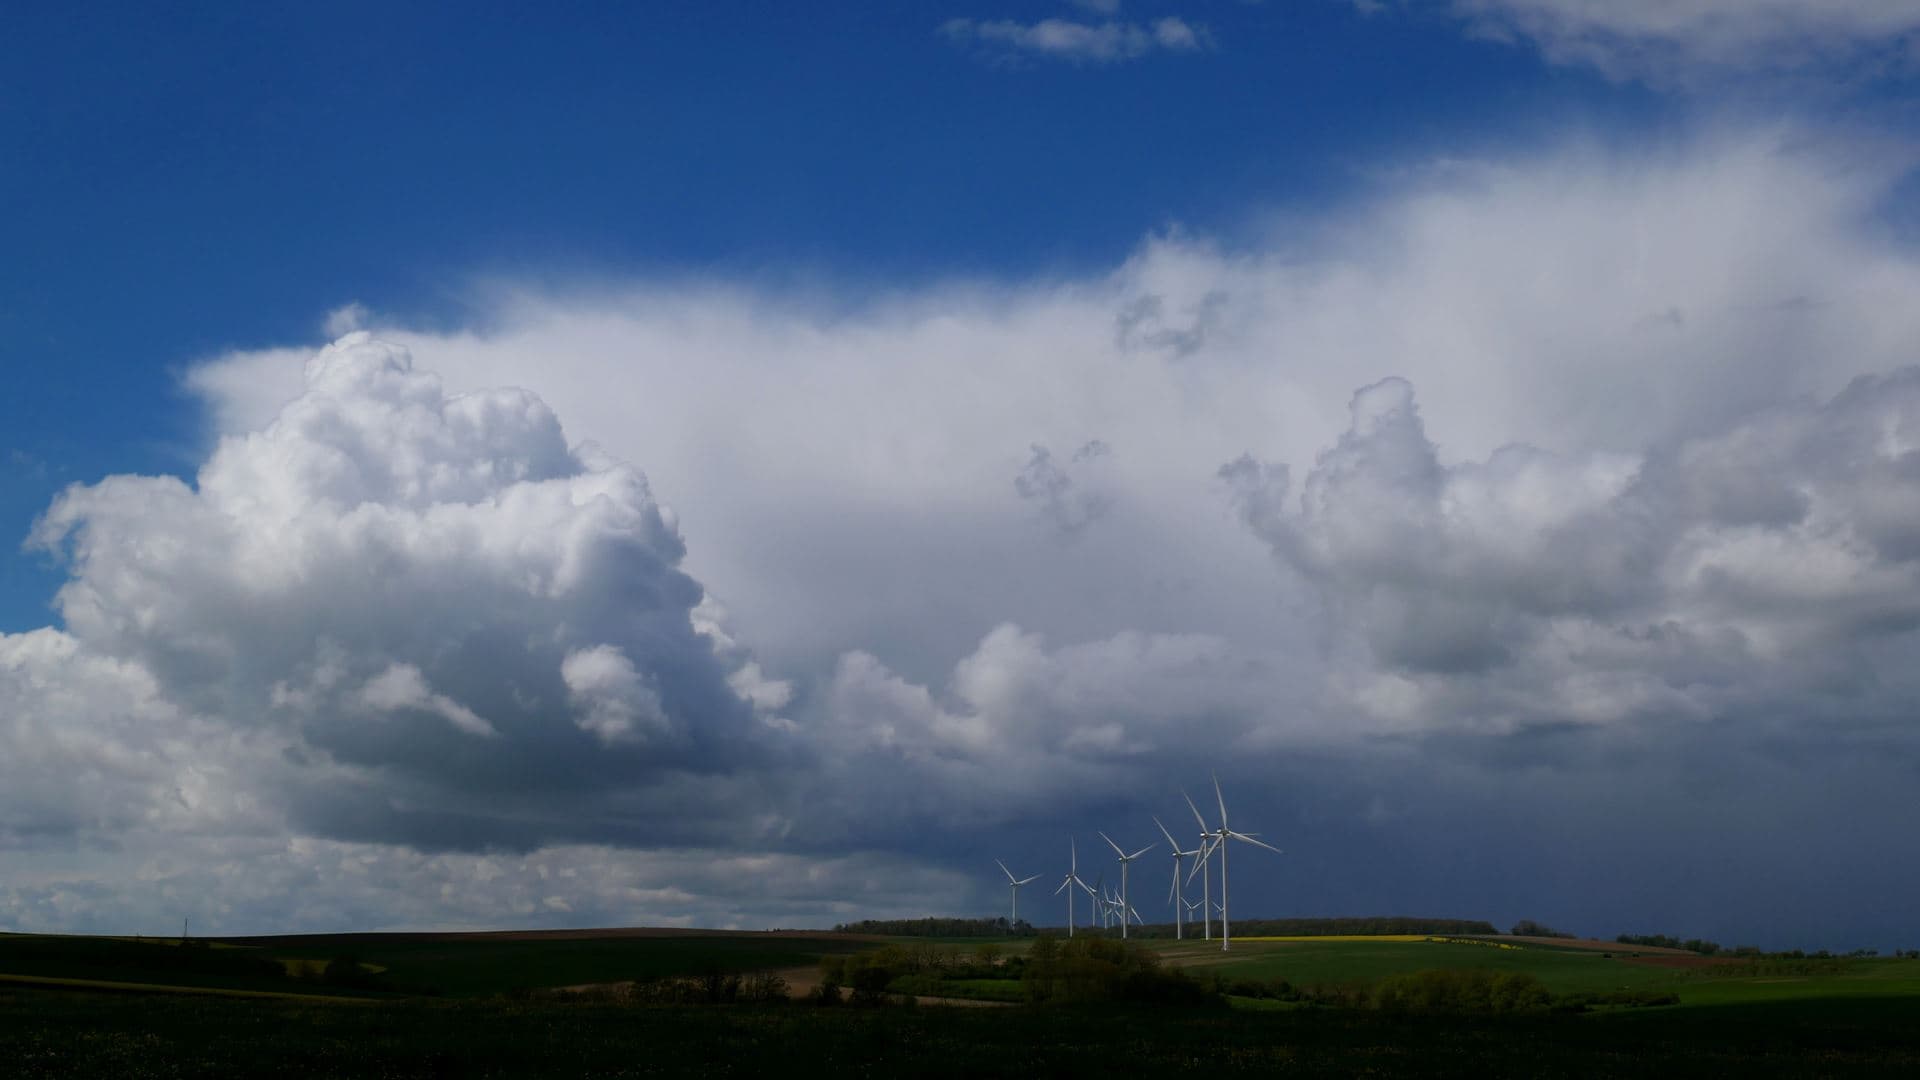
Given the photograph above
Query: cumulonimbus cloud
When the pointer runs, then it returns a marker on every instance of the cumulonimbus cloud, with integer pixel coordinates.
(1628, 456)
(430, 598)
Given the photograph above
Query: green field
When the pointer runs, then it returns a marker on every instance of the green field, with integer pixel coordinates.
(1563, 970)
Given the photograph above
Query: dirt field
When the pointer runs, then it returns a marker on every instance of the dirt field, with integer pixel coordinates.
(801, 982)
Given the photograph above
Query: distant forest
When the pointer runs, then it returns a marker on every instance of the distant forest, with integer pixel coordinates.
(931, 927)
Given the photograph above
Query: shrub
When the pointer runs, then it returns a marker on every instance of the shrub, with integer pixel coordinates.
(1089, 968)
(1448, 991)
(764, 987)
(869, 979)
(345, 970)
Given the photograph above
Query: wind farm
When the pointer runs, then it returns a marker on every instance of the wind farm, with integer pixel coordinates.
(1117, 907)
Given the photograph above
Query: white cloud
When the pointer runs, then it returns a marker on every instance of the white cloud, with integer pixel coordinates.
(1070, 496)
(1706, 579)
(85, 744)
(385, 571)
(402, 686)
(1081, 42)
(611, 699)
(345, 319)
(1661, 39)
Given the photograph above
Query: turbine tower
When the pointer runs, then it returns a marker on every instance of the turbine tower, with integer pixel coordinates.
(1220, 844)
(1174, 894)
(1073, 878)
(1013, 886)
(1124, 860)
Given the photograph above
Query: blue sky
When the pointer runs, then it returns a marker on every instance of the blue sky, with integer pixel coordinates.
(1443, 418)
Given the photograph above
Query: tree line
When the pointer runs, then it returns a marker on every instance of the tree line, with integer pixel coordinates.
(938, 927)
(1347, 926)
(1753, 952)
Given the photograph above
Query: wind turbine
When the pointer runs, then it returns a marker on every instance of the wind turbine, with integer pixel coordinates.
(1220, 844)
(1013, 885)
(1174, 894)
(1200, 867)
(1073, 878)
(1124, 860)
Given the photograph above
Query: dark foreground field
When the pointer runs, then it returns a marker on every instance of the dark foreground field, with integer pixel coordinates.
(47, 1033)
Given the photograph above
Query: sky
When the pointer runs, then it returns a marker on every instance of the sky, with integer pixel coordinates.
(752, 465)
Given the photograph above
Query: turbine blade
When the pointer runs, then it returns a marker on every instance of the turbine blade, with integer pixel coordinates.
(1111, 844)
(1063, 886)
(1024, 880)
(1003, 869)
(1256, 843)
(1168, 835)
(1141, 852)
(1198, 866)
(1221, 798)
(1195, 809)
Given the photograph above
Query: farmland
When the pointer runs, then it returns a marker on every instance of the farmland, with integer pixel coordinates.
(469, 1004)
